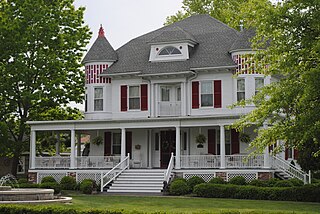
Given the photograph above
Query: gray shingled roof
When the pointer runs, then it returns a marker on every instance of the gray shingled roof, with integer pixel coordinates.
(174, 34)
(101, 50)
(214, 40)
(243, 41)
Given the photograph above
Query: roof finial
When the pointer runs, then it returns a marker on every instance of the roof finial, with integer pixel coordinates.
(101, 31)
(241, 25)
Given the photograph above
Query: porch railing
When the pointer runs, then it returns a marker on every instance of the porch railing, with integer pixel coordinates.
(200, 161)
(169, 108)
(167, 173)
(85, 162)
(244, 161)
(114, 172)
(53, 162)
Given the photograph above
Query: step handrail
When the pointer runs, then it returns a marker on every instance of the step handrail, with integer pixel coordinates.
(113, 172)
(167, 173)
(290, 169)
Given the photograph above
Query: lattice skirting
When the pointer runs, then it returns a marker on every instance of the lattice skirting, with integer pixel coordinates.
(96, 176)
(248, 176)
(56, 175)
(205, 176)
(80, 176)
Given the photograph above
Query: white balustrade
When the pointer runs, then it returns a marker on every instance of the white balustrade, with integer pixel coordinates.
(244, 161)
(53, 162)
(200, 161)
(167, 108)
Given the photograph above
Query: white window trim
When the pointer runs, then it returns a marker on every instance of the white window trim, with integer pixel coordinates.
(169, 55)
(94, 98)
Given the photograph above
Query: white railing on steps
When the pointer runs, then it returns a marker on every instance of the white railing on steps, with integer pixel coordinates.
(291, 170)
(114, 172)
(167, 173)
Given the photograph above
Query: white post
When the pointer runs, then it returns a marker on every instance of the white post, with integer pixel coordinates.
(123, 144)
(33, 149)
(222, 147)
(149, 148)
(73, 143)
(266, 156)
(178, 143)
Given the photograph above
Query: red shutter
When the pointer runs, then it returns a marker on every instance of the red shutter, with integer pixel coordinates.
(235, 146)
(295, 154)
(107, 143)
(129, 143)
(124, 91)
(217, 93)
(195, 94)
(286, 153)
(144, 97)
(212, 141)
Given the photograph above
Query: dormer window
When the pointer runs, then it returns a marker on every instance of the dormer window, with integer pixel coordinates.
(169, 50)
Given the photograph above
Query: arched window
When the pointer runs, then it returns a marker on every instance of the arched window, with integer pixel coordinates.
(169, 51)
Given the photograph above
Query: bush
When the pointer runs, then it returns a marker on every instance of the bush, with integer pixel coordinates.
(271, 182)
(29, 185)
(51, 185)
(179, 179)
(283, 183)
(87, 186)
(192, 182)
(68, 183)
(258, 183)
(217, 180)
(48, 179)
(296, 182)
(238, 180)
(179, 187)
(22, 180)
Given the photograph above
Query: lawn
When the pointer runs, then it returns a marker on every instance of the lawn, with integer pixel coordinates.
(186, 204)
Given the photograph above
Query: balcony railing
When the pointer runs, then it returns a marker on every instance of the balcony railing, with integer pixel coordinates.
(169, 108)
(54, 162)
(244, 161)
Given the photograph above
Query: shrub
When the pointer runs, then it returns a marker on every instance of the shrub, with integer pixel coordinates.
(179, 187)
(51, 185)
(271, 182)
(29, 185)
(48, 179)
(22, 180)
(192, 182)
(217, 180)
(179, 179)
(86, 186)
(258, 183)
(68, 183)
(238, 180)
(283, 183)
(296, 182)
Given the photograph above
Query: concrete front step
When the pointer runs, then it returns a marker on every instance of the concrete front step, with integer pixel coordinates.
(134, 191)
(133, 188)
(120, 178)
(143, 174)
(137, 185)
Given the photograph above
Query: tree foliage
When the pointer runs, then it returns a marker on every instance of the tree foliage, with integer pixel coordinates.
(41, 43)
(290, 30)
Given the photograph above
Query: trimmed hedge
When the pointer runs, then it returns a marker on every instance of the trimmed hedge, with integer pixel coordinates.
(87, 186)
(179, 187)
(192, 182)
(238, 180)
(68, 183)
(217, 180)
(307, 193)
(48, 179)
(51, 185)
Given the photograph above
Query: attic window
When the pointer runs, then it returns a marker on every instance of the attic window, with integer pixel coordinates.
(166, 51)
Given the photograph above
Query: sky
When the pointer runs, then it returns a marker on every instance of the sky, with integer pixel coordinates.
(124, 20)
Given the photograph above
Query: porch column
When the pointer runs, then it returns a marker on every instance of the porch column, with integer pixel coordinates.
(33, 149)
(178, 143)
(58, 144)
(266, 156)
(123, 144)
(149, 148)
(72, 154)
(222, 148)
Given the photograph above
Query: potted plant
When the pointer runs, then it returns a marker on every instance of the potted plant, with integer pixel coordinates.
(97, 140)
(200, 140)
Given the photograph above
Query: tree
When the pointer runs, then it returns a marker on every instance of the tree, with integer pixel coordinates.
(290, 32)
(307, 158)
(41, 43)
(230, 12)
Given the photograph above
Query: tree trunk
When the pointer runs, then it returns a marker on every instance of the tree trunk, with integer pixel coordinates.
(14, 165)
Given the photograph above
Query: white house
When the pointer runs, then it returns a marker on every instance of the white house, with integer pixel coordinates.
(151, 99)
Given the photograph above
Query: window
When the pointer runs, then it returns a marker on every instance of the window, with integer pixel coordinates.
(259, 83)
(178, 94)
(165, 93)
(241, 94)
(169, 51)
(98, 99)
(116, 144)
(206, 94)
(227, 135)
(134, 97)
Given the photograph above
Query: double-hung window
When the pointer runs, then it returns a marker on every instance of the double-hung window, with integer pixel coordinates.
(206, 94)
(259, 83)
(241, 94)
(134, 97)
(98, 99)
(116, 144)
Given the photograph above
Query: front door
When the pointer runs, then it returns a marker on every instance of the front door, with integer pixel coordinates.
(168, 145)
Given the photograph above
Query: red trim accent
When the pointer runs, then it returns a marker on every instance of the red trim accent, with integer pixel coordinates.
(144, 97)
(124, 104)
(235, 145)
(101, 31)
(217, 93)
(212, 141)
(107, 143)
(195, 94)
(129, 143)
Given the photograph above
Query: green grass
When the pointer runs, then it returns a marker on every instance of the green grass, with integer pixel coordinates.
(186, 204)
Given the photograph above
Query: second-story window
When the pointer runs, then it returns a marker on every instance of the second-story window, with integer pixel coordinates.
(134, 97)
(98, 99)
(241, 94)
(206, 94)
(259, 83)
